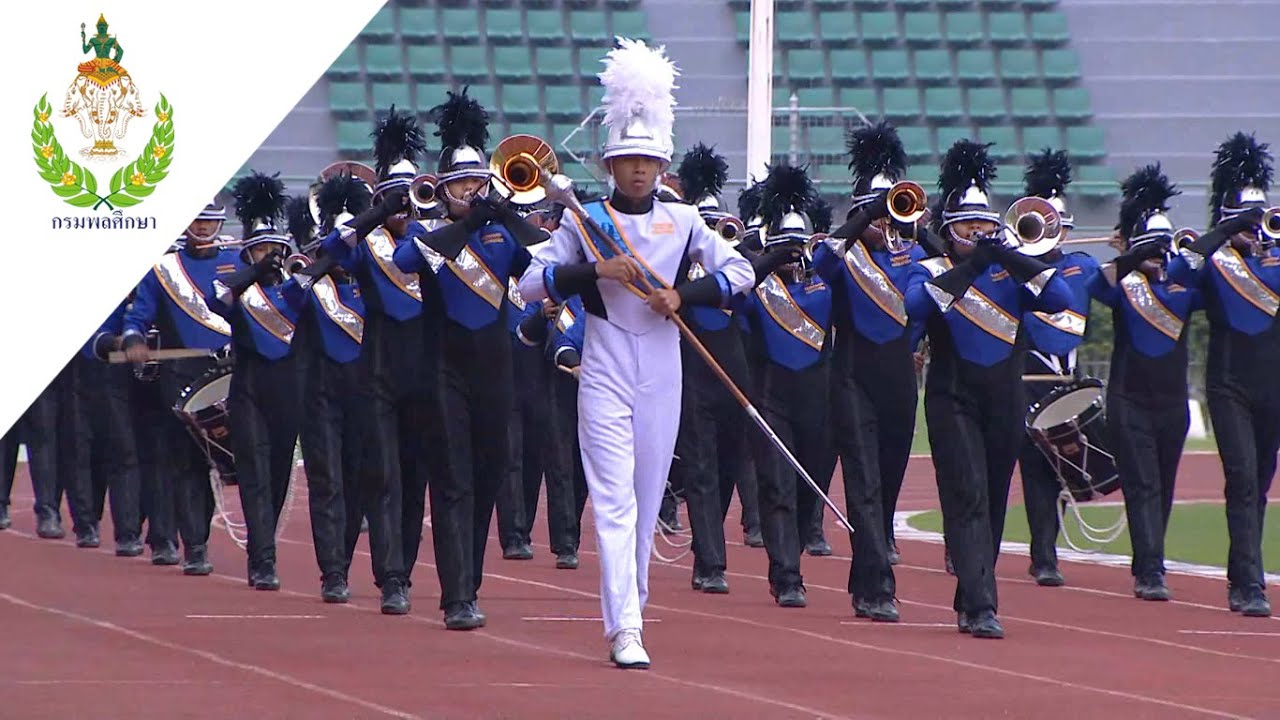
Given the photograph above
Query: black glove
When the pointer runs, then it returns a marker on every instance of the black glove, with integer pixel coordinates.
(767, 262)
(1209, 243)
(524, 232)
(104, 344)
(568, 358)
(533, 329)
(929, 242)
(957, 280)
(319, 269)
(483, 211)
(268, 265)
(984, 255)
(1023, 268)
(860, 219)
(1130, 261)
(393, 201)
(244, 278)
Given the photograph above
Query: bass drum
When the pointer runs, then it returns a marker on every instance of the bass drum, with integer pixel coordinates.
(1068, 425)
(202, 405)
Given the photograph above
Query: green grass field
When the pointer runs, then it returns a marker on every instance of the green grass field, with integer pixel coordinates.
(1197, 532)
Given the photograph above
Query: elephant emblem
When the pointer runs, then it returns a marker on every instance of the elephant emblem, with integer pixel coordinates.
(103, 97)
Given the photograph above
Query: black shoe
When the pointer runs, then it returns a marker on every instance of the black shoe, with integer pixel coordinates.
(265, 578)
(792, 597)
(752, 538)
(985, 625)
(475, 610)
(129, 548)
(860, 609)
(334, 590)
(88, 538)
(818, 547)
(197, 562)
(881, 611)
(395, 597)
(1235, 598)
(962, 622)
(895, 557)
(1254, 603)
(5, 521)
(567, 561)
(50, 528)
(1047, 576)
(713, 584)
(1152, 588)
(165, 554)
(518, 551)
(461, 616)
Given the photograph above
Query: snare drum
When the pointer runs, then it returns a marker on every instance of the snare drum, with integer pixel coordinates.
(203, 407)
(1068, 426)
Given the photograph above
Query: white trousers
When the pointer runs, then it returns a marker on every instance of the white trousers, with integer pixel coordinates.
(628, 417)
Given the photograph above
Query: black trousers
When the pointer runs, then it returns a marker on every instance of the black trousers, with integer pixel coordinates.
(476, 400)
(264, 408)
(566, 481)
(1246, 425)
(794, 403)
(976, 417)
(38, 430)
(1040, 484)
(1148, 439)
(151, 417)
(339, 483)
(182, 462)
(101, 454)
(711, 444)
(518, 496)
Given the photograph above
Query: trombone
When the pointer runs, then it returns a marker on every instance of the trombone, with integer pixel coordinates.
(1033, 226)
(519, 163)
(730, 228)
(422, 193)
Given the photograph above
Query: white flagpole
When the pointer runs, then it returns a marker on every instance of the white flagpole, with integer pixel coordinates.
(759, 89)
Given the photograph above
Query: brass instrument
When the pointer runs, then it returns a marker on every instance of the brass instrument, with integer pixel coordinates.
(519, 164)
(1185, 236)
(907, 202)
(730, 228)
(293, 264)
(1034, 225)
(422, 192)
(1269, 228)
(360, 171)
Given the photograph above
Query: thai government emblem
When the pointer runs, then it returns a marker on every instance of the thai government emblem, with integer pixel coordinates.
(103, 98)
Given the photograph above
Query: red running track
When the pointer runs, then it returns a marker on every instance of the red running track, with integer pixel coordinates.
(90, 635)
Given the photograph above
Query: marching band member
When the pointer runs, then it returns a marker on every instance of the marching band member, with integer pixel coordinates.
(37, 429)
(971, 300)
(749, 482)
(327, 342)
(789, 313)
(1147, 413)
(867, 263)
(173, 298)
(263, 404)
(1053, 342)
(630, 381)
(1239, 274)
(711, 443)
(475, 376)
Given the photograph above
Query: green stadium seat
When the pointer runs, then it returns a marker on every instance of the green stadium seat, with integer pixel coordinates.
(1006, 28)
(560, 131)
(861, 99)
(499, 3)
(486, 95)
(742, 5)
(889, 66)
(879, 28)
(933, 67)
(502, 27)
(622, 4)
(1071, 104)
(426, 62)
(777, 66)
(383, 61)
(1086, 142)
(564, 102)
(512, 63)
(1038, 4)
(418, 25)
(870, 3)
(1006, 142)
(911, 4)
(391, 93)
(921, 28)
(794, 28)
(587, 27)
(924, 173)
(1049, 28)
(901, 103)
(1029, 103)
(1018, 66)
(806, 66)
(459, 25)
(974, 67)
(943, 104)
(630, 24)
(826, 140)
(916, 142)
(595, 95)
(353, 138)
(1038, 137)
(554, 62)
(1008, 182)
(838, 28)
(782, 96)
(963, 28)
(428, 96)
(817, 97)
(986, 104)
(520, 101)
(781, 141)
(954, 4)
(1061, 66)
(947, 136)
(347, 65)
(544, 26)
(827, 4)
(467, 62)
(1094, 182)
(535, 129)
(848, 67)
(347, 99)
(382, 26)
(742, 22)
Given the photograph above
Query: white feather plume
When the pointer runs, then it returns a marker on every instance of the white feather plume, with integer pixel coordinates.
(638, 81)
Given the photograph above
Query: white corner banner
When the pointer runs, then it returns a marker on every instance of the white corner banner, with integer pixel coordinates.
(124, 120)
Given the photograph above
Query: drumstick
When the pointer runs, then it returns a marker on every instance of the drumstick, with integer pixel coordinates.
(118, 356)
(1046, 378)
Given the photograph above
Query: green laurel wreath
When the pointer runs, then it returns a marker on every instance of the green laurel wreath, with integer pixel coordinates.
(77, 186)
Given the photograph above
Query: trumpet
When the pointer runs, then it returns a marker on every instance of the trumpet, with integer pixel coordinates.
(422, 192)
(292, 264)
(1270, 225)
(519, 163)
(1185, 236)
(907, 202)
(730, 228)
(1033, 225)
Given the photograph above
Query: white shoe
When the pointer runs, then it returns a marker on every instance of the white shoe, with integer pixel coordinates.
(627, 651)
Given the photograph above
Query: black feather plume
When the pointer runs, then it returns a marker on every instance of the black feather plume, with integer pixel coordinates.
(341, 193)
(259, 198)
(702, 172)
(787, 188)
(875, 149)
(820, 214)
(749, 202)
(1146, 191)
(301, 225)
(396, 137)
(1240, 161)
(966, 162)
(1048, 173)
(461, 120)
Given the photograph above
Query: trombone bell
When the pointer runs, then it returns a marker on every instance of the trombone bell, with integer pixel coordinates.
(1034, 224)
(293, 264)
(907, 202)
(1184, 237)
(520, 162)
(730, 228)
(1270, 225)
